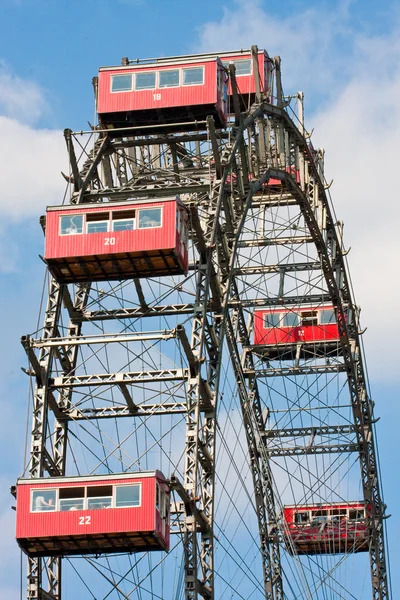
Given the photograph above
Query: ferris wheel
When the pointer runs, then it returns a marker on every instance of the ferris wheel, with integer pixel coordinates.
(202, 425)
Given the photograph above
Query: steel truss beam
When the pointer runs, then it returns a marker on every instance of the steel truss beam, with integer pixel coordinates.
(127, 378)
(309, 431)
(114, 411)
(293, 371)
(321, 449)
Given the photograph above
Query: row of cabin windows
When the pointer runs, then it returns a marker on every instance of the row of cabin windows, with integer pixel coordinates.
(152, 80)
(304, 318)
(86, 498)
(122, 220)
(324, 516)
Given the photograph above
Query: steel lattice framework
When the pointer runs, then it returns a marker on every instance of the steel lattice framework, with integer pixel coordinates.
(235, 231)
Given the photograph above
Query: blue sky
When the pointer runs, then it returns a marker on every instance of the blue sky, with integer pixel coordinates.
(344, 55)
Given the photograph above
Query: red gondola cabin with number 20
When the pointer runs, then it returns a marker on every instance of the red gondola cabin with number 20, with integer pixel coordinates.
(62, 516)
(115, 241)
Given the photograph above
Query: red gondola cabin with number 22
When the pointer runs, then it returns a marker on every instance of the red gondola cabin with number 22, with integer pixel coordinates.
(92, 515)
(115, 241)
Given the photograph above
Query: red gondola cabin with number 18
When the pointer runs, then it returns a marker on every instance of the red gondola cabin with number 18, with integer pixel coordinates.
(62, 516)
(164, 95)
(115, 241)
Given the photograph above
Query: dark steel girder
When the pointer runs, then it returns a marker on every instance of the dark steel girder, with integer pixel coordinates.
(115, 411)
(293, 370)
(323, 449)
(128, 378)
(309, 431)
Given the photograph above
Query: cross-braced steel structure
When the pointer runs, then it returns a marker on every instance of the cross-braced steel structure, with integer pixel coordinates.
(239, 431)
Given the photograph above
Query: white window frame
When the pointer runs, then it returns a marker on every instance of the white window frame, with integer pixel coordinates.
(146, 73)
(322, 310)
(291, 313)
(193, 84)
(56, 509)
(226, 63)
(112, 230)
(120, 91)
(168, 87)
(149, 208)
(72, 216)
(114, 498)
(274, 326)
(91, 232)
(301, 512)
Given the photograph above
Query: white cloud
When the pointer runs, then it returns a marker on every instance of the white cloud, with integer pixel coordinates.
(31, 158)
(358, 78)
(31, 162)
(19, 98)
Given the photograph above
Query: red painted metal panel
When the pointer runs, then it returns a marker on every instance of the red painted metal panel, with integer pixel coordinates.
(190, 95)
(53, 524)
(163, 238)
(288, 335)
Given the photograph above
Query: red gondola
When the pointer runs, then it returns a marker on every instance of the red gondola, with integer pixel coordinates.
(326, 528)
(280, 330)
(115, 241)
(172, 93)
(92, 515)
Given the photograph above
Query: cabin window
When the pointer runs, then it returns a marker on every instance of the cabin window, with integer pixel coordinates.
(168, 78)
(243, 67)
(301, 517)
(356, 514)
(121, 83)
(99, 496)
(291, 320)
(272, 320)
(193, 76)
(123, 220)
(338, 514)
(149, 217)
(319, 516)
(157, 496)
(71, 224)
(127, 495)
(145, 81)
(164, 499)
(97, 222)
(71, 498)
(309, 318)
(43, 500)
(326, 317)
